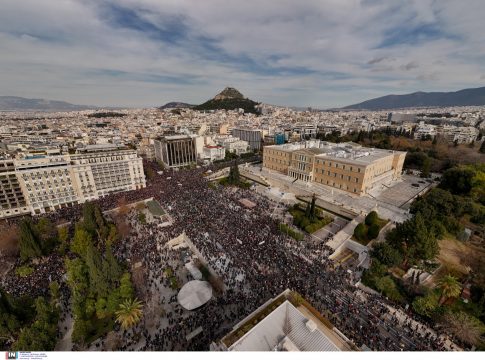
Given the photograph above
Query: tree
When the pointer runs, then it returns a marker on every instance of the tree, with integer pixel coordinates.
(388, 288)
(360, 232)
(42, 334)
(111, 268)
(29, 244)
(46, 232)
(63, 237)
(414, 239)
(129, 313)
(89, 218)
(373, 231)
(478, 186)
(312, 208)
(81, 330)
(234, 178)
(426, 305)
(450, 288)
(308, 211)
(386, 254)
(102, 227)
(81, 242)
(126, 287)
(371, 218)
(97, 277)
(9, 319)
(465, 327)
(376, 271)
(425, 168)
(458, 180)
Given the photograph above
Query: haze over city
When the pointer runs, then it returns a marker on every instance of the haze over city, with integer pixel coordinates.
(143, 53)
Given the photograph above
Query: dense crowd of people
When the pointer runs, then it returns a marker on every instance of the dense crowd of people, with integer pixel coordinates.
(255, 261)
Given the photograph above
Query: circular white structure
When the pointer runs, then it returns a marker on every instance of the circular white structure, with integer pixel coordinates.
(194, 294)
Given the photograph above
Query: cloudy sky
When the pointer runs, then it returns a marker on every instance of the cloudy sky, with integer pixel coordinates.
(320, 53)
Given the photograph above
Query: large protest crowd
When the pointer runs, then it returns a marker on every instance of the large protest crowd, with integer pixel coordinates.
(254, 260)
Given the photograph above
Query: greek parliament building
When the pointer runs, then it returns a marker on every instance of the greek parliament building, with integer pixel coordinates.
(36, 184)
(345, 166)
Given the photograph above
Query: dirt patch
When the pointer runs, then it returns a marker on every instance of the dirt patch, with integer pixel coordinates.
(457, 258)
(9, 240)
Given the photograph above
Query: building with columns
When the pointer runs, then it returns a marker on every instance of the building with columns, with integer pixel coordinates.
(178, 150)
(345, 166)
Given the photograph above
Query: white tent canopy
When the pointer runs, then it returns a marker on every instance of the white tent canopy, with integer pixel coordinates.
(194, 294)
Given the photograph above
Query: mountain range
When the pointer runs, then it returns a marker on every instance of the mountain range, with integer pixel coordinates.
(465, 97)
(230, 99)
(16, 103)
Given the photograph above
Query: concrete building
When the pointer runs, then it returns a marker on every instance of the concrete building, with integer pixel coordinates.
(232, 144)
(213, 153)
(345, 166)
(459, 134)
(12, 199)
(45, 183)
(306, 131)
(284, 323)
(424, 131)
(253, 136)
(176, 150)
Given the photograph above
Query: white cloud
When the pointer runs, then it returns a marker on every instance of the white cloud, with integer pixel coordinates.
(319, 53)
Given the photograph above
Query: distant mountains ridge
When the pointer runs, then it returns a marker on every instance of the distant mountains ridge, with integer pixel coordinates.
(231, 99)
(16, 103)
(465, 97)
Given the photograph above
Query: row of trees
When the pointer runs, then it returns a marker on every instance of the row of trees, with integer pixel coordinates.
(99, 285)
(29, 325)
(369, 229)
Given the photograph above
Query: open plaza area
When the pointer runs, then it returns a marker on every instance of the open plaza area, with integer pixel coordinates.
(246, 259)
(391, 201)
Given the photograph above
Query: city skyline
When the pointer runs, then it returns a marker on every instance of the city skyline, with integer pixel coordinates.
(140, 53)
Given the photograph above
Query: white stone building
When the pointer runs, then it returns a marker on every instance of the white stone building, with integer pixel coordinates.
(46, 183)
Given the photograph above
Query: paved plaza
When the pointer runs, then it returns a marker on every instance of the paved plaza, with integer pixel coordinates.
(388, 202)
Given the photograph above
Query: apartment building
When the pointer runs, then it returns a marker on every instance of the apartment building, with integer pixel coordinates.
(346, 166)
(45, 183)
(12, 200)
(253, 136)
(213, 153)
(459, 134)
(177, 150)
(232, 144)
(306, 131)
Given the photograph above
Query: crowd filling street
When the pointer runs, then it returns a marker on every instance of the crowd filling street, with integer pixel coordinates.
(254, 260)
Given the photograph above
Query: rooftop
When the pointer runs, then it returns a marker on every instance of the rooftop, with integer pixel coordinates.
(342, 151)
(286, 323)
